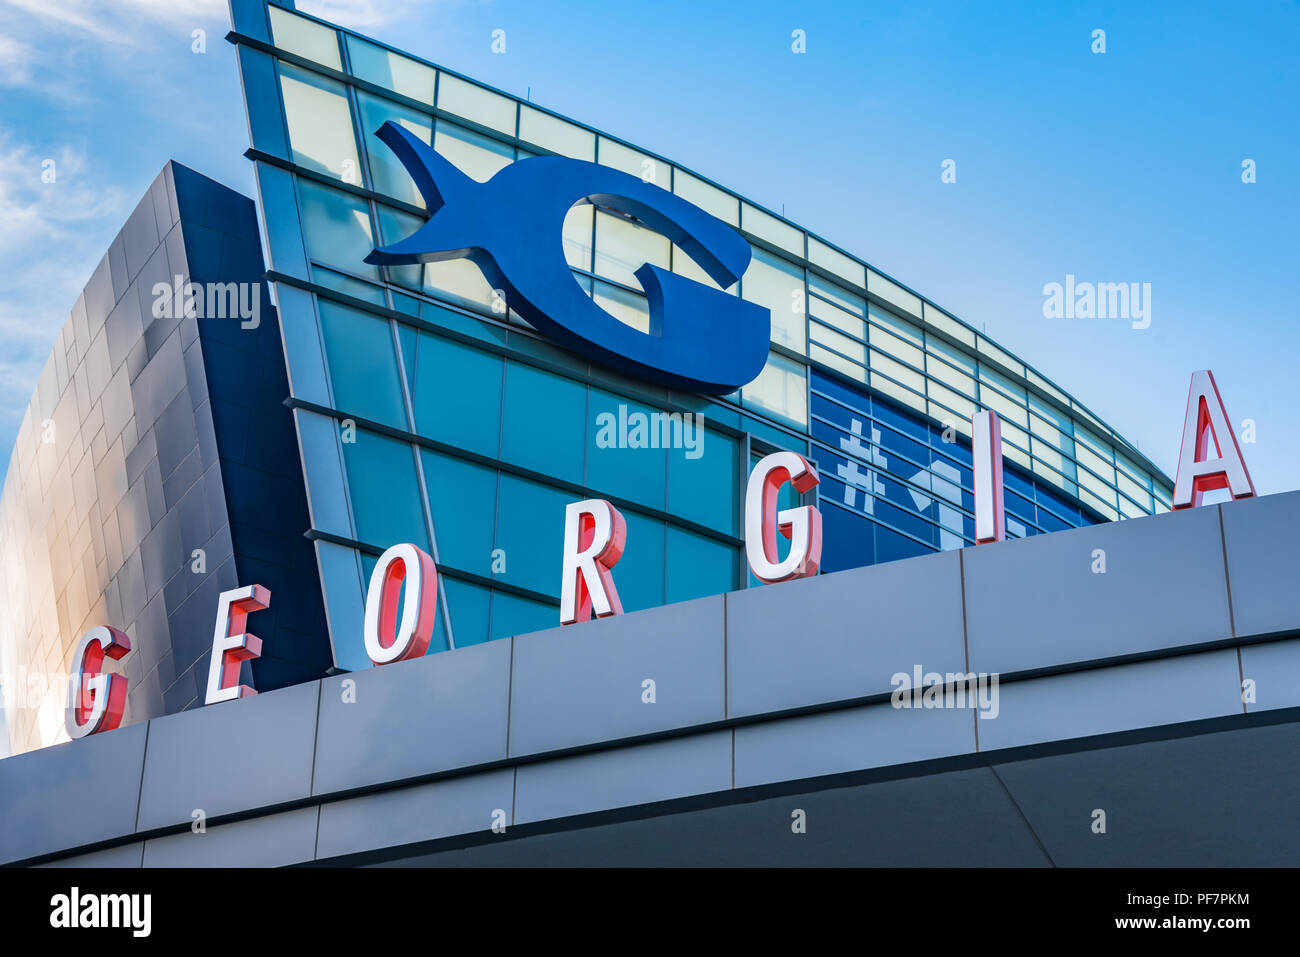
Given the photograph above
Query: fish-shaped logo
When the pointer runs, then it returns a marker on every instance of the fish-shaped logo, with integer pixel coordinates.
(700, 338)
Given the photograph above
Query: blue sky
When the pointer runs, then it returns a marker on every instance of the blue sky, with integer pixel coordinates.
(1123, 166)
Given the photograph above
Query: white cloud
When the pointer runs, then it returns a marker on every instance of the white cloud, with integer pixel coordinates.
(363, 14)
(16, 60)
(53, 236)
(112, 21)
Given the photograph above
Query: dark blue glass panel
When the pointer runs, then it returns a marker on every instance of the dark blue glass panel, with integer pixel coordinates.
(890, 546)
(848, 540)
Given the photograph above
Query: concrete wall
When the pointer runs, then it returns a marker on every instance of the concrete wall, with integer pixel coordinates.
(1119, 691)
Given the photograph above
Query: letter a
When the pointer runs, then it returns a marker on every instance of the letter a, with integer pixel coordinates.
(1198, 473)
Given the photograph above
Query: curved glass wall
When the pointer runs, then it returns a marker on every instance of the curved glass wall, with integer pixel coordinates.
(452, 418)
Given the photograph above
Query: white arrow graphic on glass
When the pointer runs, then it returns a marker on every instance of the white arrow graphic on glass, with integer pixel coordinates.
(943, 485)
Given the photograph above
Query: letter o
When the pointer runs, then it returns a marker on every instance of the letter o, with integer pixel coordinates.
(389, 638)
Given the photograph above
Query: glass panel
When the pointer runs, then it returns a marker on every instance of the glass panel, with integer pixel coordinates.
(306, 38)
(385, 496)
(781, 389)
(1000, 356)
(512, 615)
(555, 134)
(834, 261)
(543, 423)
(627, 447)
(362, 364)
(898, 349)
(469, 607)
(457, 394)
(394, 225)
(768, 227)
(320, 124)
(835, 294)
(702, 479)
(839, 363)
(577, 236)
(627, 307)
(390, 70)
(645, 168)
(772, 282)
(899, 327)
(337, 228)
(479, 157)
(893, 293)
(837, 317)
(622, 247)
(709, 198)
(941, 320)
(387, 174)
(841, 343)
(684, 265)
(697, 566)
(896, 371)
(476, 103)
(463, 497)
(639, 574)
(530, 529)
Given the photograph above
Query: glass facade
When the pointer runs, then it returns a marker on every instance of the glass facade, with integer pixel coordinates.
(443, 419)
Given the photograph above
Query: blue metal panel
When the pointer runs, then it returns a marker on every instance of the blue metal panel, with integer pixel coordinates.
(584, 683)
(430, 714)
(838, 741)
(230, 757)
(1163, 587)
(1141, 695)
(424, 812)
(276, 840)
(70, 794)
(870, 622)
(659, 771)
(1260, 538)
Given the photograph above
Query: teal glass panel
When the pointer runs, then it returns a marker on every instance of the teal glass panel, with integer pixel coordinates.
(438, 642)
(457, 394)
(362, 364)
(387, 175)
(627, 447)
(463, 499)
(512, 615)
(337, 228)
(697, 566)
(530, 529)
(543, 422)
(469, 606)
(395, 225)
(639, 574)
(703, 480)
(385, 495)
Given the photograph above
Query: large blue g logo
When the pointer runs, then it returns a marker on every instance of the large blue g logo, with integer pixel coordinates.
(510, 227)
